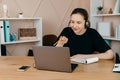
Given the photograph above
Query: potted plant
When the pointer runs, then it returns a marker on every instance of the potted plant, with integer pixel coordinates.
(100, 8)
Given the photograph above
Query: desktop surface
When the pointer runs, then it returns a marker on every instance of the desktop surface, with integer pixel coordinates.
(101, 70)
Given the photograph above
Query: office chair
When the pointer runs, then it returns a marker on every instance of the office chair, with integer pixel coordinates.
(48, 40)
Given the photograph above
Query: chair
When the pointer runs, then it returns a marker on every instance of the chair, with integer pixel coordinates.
(49, 39)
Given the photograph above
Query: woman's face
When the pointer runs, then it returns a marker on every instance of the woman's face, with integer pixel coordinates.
(77, 23)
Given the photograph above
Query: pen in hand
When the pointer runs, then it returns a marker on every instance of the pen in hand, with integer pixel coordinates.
(62, 40)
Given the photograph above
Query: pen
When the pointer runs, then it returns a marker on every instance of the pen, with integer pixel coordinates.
(55, 43)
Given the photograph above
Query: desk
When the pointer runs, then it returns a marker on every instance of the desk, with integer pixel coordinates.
(96, 71)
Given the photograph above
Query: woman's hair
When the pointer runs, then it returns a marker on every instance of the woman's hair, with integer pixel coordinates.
(84, 13)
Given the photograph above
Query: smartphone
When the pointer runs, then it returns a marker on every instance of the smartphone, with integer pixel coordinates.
(23, 68)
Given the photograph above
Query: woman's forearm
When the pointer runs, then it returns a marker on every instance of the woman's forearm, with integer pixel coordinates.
(107, 55)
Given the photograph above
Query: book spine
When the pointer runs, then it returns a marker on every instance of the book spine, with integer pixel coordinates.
(1, 32)
(118, 32)
(7, 31)
(117, 7)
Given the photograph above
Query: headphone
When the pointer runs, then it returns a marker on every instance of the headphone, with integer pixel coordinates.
(87, 23)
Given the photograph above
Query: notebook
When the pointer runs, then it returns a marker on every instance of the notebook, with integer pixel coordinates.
(86, 61)
(53, 58)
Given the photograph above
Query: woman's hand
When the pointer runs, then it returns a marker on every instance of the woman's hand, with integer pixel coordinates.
(62, 40)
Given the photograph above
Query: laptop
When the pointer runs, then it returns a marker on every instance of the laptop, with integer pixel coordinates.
(53, 58)
(116, 67)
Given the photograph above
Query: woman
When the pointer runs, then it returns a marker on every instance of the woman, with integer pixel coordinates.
(82, 40)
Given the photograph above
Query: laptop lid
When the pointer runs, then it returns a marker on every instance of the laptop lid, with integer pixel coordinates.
(52, 58)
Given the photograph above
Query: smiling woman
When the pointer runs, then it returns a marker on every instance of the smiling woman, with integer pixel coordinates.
(83, 40)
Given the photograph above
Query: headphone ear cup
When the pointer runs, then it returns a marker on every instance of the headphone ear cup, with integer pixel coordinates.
(87, 23)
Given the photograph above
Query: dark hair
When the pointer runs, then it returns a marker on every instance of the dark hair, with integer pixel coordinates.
(83, 12)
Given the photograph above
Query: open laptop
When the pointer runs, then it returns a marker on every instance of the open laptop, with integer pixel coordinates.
(116, 67)
(53, 58)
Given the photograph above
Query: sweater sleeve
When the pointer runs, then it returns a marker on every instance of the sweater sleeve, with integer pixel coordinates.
(99, 43)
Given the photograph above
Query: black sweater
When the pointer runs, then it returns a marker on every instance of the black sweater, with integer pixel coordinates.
(86, 43)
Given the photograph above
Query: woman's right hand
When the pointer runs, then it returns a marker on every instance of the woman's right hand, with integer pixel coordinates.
(62, 40)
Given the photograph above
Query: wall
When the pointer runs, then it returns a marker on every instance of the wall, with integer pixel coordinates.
(55, 15)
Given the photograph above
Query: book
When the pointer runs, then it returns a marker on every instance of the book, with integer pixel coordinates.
(1, 32)
(104, 28)
(27, 33)
(117, 33)
(7, 31)
(86, 61)
(117, 7)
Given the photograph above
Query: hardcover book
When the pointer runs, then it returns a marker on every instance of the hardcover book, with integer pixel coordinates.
(118, 32)
(7, 31)
(1, 32)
